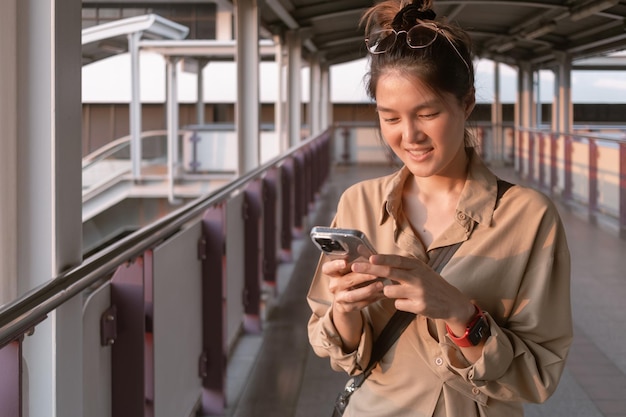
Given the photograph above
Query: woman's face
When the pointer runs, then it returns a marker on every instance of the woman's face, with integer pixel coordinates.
(425, 130)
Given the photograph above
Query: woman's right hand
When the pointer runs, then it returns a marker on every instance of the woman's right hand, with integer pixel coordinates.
(352, 292)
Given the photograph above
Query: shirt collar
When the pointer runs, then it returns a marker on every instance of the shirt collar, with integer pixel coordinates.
(477, 200)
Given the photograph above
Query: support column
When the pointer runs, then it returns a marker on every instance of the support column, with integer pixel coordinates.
(294, 99)
(248, 96)
(527, 113)
(8, 150)
(50, 199)
(280, 119)
(326, 112)
(173, 159)
(565, 121)
(494, 150)
(200, 106)
(135, 106)
(315, 103)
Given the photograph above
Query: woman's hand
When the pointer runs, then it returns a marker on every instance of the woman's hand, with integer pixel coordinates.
(419, 289)
(352, 292)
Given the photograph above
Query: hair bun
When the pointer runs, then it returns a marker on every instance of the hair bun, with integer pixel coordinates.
(408, 16)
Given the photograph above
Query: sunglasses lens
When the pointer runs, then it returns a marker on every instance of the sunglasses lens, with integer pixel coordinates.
(421, 36)
(379, 42)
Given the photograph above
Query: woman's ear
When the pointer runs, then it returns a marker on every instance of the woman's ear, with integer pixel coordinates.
(469, 103)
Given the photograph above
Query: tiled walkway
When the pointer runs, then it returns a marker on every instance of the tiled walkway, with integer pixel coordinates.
(277, 375)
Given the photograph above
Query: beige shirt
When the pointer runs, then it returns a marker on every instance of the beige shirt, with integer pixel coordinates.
(514, 263)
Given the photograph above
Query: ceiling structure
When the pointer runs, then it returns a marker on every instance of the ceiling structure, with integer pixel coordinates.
(508, 31)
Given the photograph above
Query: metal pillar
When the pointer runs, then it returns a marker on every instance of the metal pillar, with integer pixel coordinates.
(280, 121)
(135, 106)
(315, 101)
(494, 150)
(326, 112)
(248, 96)
(173, 164)
(294, 99)
(8, 151)
(49, 201)
(200, 107)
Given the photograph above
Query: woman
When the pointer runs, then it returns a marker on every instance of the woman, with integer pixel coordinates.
(510, 275)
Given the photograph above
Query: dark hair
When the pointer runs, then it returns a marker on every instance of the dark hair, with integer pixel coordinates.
(439, 65)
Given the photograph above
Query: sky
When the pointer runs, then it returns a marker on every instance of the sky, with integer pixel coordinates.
(108, 81)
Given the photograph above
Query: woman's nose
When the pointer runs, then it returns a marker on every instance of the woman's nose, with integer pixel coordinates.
(411, 131)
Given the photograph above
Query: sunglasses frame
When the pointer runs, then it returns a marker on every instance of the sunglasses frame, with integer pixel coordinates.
(432, 26)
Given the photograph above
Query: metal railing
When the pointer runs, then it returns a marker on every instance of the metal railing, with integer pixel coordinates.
(258, 211)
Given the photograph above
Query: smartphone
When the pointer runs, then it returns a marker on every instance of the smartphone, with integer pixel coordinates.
(348, 244)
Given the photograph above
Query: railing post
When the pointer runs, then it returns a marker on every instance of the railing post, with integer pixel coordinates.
(593, 179)
(213, 370)
(11, 380)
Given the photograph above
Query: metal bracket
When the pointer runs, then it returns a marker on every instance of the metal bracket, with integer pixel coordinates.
(203, 365)
(108, 326)
(202, 248)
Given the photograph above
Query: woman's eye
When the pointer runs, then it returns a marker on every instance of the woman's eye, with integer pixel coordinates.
(428, 115)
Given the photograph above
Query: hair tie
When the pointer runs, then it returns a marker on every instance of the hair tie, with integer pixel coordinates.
(408, 16)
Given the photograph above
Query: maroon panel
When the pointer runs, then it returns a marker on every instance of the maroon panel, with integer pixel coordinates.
(299, 193)
(567, 157)
(270, 193)
(622, 189)
(252, 255)
(531, 156)
(542, 160)
(127, 294)
(593, 177)
(213, 357)
(520, 149)
(286, 191)
(148, 339)
(553, 162)
(11, 380)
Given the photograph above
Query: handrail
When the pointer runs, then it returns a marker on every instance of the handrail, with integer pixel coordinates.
(31, 308)
(575, 135)
(117, 144)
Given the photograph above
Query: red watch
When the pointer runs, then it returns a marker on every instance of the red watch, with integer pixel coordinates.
(476, 330)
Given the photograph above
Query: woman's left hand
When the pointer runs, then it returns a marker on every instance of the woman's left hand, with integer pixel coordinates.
(419, 289)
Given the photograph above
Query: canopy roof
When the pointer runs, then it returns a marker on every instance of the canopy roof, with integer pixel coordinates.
(509, 31)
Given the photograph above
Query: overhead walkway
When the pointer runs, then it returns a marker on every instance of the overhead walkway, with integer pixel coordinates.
(278, 375)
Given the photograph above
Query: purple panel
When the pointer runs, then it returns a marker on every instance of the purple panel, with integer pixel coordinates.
(127, 294)
(569, 147)
(252, 255)
(593, 177)
(11, 380)
(622, 189)
(542, 160)
(299, 193)
(213, 358)
(554, 180)
(270, 192)
(286, 187)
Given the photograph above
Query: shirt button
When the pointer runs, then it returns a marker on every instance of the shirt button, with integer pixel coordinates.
(438, 361)
(475, 391)
(461, 216)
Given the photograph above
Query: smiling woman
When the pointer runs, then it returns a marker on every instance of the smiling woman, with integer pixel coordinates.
(461, 347)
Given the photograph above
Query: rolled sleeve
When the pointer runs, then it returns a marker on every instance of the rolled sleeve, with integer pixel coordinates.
(326, 342)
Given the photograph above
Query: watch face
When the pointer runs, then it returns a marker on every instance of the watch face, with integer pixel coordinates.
(478, 332)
